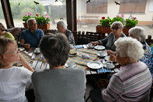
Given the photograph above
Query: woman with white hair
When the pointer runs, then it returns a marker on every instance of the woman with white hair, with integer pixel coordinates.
(139, 34)
(108, 42)
(62, 27)
(133, 82)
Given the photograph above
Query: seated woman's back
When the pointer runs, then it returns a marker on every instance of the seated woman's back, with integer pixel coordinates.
(59, 85)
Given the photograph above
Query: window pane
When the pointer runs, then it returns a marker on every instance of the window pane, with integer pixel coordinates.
(89, 14)
(2, 20)
(46, 8)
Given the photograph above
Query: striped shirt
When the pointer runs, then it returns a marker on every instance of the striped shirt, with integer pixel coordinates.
(131, 84)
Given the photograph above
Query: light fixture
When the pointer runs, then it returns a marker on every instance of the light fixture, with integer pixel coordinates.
(57, 3)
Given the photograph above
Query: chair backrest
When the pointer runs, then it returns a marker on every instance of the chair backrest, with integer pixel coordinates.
(16, 32)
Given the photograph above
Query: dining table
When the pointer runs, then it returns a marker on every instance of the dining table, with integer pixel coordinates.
(36, 59)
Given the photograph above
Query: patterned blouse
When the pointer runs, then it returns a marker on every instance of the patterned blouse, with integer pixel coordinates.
(147, 58)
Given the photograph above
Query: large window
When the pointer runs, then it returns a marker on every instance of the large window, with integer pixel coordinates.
(2, 20)
(21, 8)
(134, 6)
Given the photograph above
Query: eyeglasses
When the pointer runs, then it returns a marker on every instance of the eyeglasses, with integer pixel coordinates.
(14, 52)
(115, 28)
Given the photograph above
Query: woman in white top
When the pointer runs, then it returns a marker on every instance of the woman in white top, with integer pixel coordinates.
(13, 80)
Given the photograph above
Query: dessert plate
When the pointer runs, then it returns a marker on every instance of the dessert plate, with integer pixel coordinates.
(94, 65)
(99, 47)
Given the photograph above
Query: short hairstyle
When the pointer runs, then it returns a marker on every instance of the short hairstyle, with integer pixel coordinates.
(55, 48)
(129, 47)
(138, 33)
(31, 19)
(62, 23)
(118, 23)
(3, 48)
(2, 27)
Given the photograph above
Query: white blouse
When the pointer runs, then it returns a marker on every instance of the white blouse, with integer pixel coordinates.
(13, 82)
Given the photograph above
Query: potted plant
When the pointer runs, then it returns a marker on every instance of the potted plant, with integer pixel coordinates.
(104, 26)
(25, 18)
(129, 24)
(42, 21)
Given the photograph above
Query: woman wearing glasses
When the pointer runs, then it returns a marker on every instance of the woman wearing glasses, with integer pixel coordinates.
(13, 79)
(108, 42)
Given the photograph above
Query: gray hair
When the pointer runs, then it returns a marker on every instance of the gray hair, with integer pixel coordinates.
(62, 23)
(129, 47)
(55, 48)
(118, 23)
(138, 33)
(31, 19)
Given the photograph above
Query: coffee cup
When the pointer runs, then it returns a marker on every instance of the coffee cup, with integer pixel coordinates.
(102, 53)
(90, 45)
(109, 64)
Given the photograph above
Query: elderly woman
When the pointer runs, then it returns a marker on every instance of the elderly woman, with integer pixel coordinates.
(139, 34)
(4, 34)
(13, 79)
(58, 84)
(108, 42)
(62, 27)
(133, 82)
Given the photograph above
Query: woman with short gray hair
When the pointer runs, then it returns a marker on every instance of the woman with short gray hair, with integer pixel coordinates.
(139, 34)
(62, 27)
(58, 84)
(108, 42)
(133, 81)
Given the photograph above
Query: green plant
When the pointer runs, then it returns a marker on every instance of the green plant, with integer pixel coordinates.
(131, 22)
(42, 19)
(105, 22)
(27, 16)
(117, 19)
(39, 19)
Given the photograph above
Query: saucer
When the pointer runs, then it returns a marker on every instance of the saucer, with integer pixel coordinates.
(95, 65)
(105, 54)
(99, 47)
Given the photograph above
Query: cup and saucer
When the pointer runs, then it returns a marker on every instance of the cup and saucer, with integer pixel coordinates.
(70, 64)
(90, 46)
(102, 53)
(109, 65)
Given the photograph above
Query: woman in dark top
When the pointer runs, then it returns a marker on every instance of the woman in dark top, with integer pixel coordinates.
(108, 42)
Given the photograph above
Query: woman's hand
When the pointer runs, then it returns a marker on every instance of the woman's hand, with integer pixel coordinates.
(112, 58)
(109, 52)
(95, 43)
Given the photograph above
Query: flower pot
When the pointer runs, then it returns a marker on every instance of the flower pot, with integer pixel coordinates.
(25, 25)
(101, 29)
(126, 30)
(44, 26)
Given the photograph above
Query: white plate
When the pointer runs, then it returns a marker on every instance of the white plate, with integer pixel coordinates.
(95, 65)
(105, 54)
(99, 47)
(104, 64)
(107, 58)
